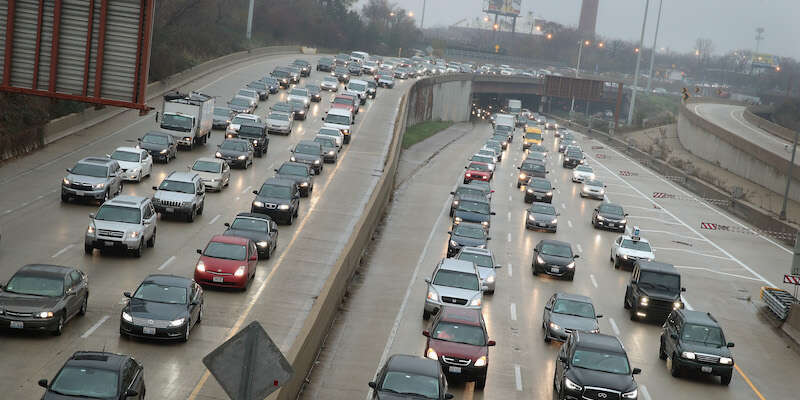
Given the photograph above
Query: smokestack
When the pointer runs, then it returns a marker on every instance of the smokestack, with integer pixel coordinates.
(588, 21)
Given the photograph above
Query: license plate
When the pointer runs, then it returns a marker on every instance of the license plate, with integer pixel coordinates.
(217, 279)
(540, 223)
(170, 209)
(80, 193)
(555, 269)
(705, 370)
(107, 243)
(149, 331)
(454, 370)
(17, 324)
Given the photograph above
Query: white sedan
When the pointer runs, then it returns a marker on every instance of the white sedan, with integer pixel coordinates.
(135, 163)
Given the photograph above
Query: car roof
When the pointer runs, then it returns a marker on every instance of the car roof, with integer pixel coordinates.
(229, 239)
(126, 201)
(98, 359)
(299, 164)
(657, 266)
(209, 159)
(96, 160)
(555, 242)
(253, 215)
(129, 149)
(308, 142)
(278, 182)
(574, 297)
(168, 279)
(462, 315)
(44, 269)
(339, 111)
(453, 264)
(470, 224)
(416, 364)
(476, 250)
(698, 317)
(474, 197)
(598, 341)
(182, 176)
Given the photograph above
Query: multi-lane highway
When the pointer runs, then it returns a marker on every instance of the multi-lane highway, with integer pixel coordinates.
(722, 272)
(39, 228)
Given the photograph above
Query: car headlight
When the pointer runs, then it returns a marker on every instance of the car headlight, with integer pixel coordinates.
(522, 176)
(177, 322)
(218, 155)
(292, 159)
(676, 305)
(258, 204)
(98, 185)
(240, 271)
(600, 218)
(468, 174)
(550, 193)
(531, 217)
(453, 243)
(262, 244)
(644, 301)
(566, 159)
(134, 234)
(90, 229)
(346, 131)
(481, 246)
(591, 176)
(127, 317)
(602, 191)
(455, 202)
(241, 157)
(725, 360)
(572, 385)
(163, 151)
(431, 353)
(624, 221)
(688, 355)
(476, 301)
(316, 161)
(304, 184)
(490, 279)
(485, 223)
(330, 153)
(255, 142)
(433, 296)
(539, 260)
(624, 256)
(65, 181)
(631, 395)
(480, 362)
(458, 219)
(571, 265)
(529, 190)
(554, 326)
(201, 266)
(554, 221)
(283, 207)
(595, 330)
(44, 314)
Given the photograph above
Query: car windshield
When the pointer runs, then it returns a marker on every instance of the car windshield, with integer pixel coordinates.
(459, 333)
(256, 86)
(558, 250)
(408, 383)
(533, 136)
(278, 116)
(357, 87)
(303, 148)
(478, 167)
(325, 142)
(636, 245)
(128, 215)
(207, 166)
(666, 282)
(483, 159)
(177, 186)
(481, 260)
(543, 209)
(605, 362)
(703, 334)
(474, 232)
(529, 166)
(540, 185)
(176, 121)
(283, 107)
(239, 101)
(241, 120)
(611, 209)
(572, 307)
(297, 104)
(574, 154)
(233, 146)
(341, 71)
(82, 381)
(312, 89)
(538, 148)
(486, 152)
(298, 92)
(502, 128)
(121, 155)
(289, 169)
(594, 183)
(461, 280)
(36, 285)
(226, 251)
(222, 112)
(278, 191)
(250, 224)
(337, 119)
(150, 291)
(473, 206)
(251, 131)
(584, 168)
(330, 79)
(98, 171)
(329, 132)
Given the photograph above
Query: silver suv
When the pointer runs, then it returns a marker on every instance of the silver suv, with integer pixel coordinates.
(454, 283)
(125, 222)
(180, 193)
(94, 178)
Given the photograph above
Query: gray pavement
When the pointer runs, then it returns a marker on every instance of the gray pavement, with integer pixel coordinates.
(722, 271)
(38, 228)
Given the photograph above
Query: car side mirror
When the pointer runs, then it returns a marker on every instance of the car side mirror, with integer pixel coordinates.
(127, 294)
(730, 344)
(156, 116)
(255, 191)
(195, 303)
(372, 385)
(489, 238)
(427, 280)
(452, 193)
(498, 266)
(131, 393)
(674, 336)
(520, 167)
(323, 118)
(199, 251)
(92, 215)
(493, 213)
(683, 289)
(563, 358)
(426, 333)
(576, 256)
(450, 232)
(68, 170)
(491, 343)
(626, 214)
(637, 371)
(227, 224)
(558, 214)
(155, 187)
(599, 316)
(43, 383)
(276, 170)
(449, 396)
(596, 209)
(254, 257)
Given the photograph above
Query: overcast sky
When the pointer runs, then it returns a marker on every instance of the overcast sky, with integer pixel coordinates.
(730, 24)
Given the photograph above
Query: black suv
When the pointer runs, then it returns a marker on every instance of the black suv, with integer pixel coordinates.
(278, 198)
(539, 189)
(95, 374)
(654, 291)
(693, 341)
(572, 158)
(473, 208)
(255, 133)
(610, 216)
(301, 174)
(594, 366)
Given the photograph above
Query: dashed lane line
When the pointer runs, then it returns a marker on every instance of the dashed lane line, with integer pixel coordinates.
(62, 251)
(580, 249)
(594, 281)
(213, 220)
(518, 377)
(167, 262)
(510, 269)
(513, 312)
(95, 326)
(569, 222)
(614, 326)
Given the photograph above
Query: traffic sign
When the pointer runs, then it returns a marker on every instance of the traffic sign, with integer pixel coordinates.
(249, 366)
(793, 279)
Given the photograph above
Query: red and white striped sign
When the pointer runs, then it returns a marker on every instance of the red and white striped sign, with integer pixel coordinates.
(793, 279)
(598, 155)
(597, 147)
(709, 225)
(625, 173)
(662, 195)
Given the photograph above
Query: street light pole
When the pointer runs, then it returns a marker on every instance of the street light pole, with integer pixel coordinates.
(250, 20)
(655, 42)
(422, 19)
(577, 68)
(638, 62)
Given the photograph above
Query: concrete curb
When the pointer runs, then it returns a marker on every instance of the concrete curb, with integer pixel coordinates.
(769, 126)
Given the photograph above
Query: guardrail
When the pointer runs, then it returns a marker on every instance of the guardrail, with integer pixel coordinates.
(751, 116)
(779, 301)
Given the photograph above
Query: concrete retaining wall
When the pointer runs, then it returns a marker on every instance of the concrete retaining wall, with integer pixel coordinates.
(442, 98)
(750, 114)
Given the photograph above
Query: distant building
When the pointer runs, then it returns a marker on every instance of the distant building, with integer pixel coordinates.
(588, 21)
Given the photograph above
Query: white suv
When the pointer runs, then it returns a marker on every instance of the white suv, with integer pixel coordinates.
(359, 87)
(454, 283)
(125, 222)
(180, 193)
(626, 250)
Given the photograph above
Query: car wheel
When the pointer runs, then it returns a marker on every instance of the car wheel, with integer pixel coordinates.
(106, 196)
(480, 383)
(533, 268)
(140, 177)
(122, 333)
(59, 326)
(616, 263)
(662, 355)
(87, 249)
(672, 366)
(84, 306)
(200, 314)
(152, 241)
(426, 315)
(185, 337)
(64, 198)
(200, 210)
(571, 277)
(625, 302)
(269, 253)
(138, 252)
(726, 379)
(190, 216)
(291, 219)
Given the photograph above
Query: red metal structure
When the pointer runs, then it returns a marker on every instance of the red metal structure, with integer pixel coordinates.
(95, 51)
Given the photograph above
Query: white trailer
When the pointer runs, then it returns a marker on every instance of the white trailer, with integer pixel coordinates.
(188, 118)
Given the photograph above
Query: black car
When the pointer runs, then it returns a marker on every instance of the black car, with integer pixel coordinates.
(541, 216)
(530, 169)
(539, 189)
(298, 108)
(278, 198)
(325, 64)
(594, 366)
(300, 173)
(506, 131)
(609, 216)
(284, 77)
(314, 93)
(409, 377)
(342, 74)
(469, 189)
(161, 146)
(255, 133)
(354, 69)
(693, 341)
(572, 158)
(259, 228)
(305, 67)
(502, 139)
(272, 83)
(565, 313)
(372, 88)
(236, 152)
(473, 208)
(566, 140)
(555, 258)
(467, 234)
(330, 153)
(162, 307)
(284, 107)
(310, 153)
(653, 291)
(261, 88)
(294, 73)
(41, 297)
(97, 375)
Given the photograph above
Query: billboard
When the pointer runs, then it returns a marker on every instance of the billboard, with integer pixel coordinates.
(95, 51)
(502, 7)
(581, 89)
(765, 60)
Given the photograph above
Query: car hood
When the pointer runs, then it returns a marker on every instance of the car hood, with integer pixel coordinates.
(294, 97)
(396, 396)
(231, 153)
(450, 291)
(304, 156)
(84, 179)
(612, 217)
(152, 146)
(482, 173)
(573, 322)
(273, 200)
(25, 303)
(296, 178)
(207, 176)
(542, 217)
(277, 122)
(115, 226)
(723, 351)
(172, 196)
(588, 377)
(470, 216)
(387, 80)
(467, 241)
(126, 165)
(555, 260)
(221, 265)
(659, 294)
(636, 253)
(156, 311)
(460, 350)
(255, 236)
(329, 84)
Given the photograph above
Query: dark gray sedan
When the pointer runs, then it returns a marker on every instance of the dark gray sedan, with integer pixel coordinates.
(329, 150)
(539, 189)
(308, 152)
(566, 313)
(236, 152)
(542, 216)
(162, 307)
(554, 257)
(467, 234)
(301, 173)
(259, 228)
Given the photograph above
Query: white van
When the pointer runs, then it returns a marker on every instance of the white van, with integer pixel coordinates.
(359, 57)
(339, 118)
(359, 87)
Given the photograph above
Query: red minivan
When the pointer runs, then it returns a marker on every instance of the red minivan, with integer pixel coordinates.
(227, 261)
(478, 171)
(458, 340)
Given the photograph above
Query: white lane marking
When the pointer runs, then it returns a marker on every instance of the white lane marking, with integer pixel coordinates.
(518, 377)
(213, 220)
(718, 272)
(693, 252)
(510, 198)
(675, 234)
(508, 237)
(513, 312)
(645, 393)
(165, 263)
(237, 198)
(655, 219)
(614, 326)
(62, 251)
(569, 222)
(247, 189)
(509, 216)
(555, 180)
(643, 208)
(510, 273)
(594, 281)
(564, 206)
(95, 326)
(686, 304)
(580, 249)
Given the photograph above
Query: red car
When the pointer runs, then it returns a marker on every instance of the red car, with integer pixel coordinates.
(227, 261)
(345, 102)
(477, 171)
(458, 340)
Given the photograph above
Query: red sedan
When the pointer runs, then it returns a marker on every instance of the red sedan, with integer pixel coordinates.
(227, 261)
(477, 171)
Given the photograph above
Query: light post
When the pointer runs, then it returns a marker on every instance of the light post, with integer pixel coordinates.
(653, 54)
(578, 66)
(422, 19)
(250, 20)
(638, 63)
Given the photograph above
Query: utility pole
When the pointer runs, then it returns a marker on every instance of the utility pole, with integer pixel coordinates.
(655, 43)
(638, 62)
(250, 20)
(577, 68)
(422, 19)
